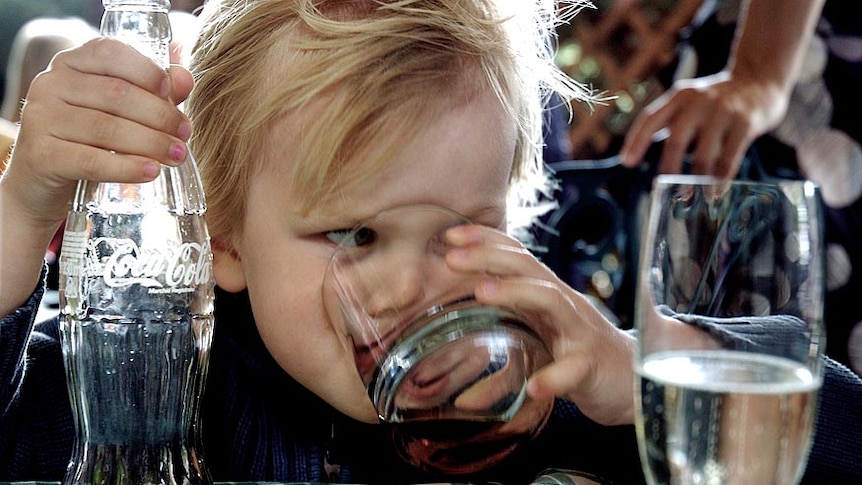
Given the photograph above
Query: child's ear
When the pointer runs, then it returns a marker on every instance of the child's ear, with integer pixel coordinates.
(227, 267)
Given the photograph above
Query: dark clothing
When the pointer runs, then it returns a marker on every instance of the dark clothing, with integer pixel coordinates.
(260, 424)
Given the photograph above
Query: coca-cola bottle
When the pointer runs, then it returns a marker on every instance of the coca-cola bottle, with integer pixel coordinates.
(136, 299)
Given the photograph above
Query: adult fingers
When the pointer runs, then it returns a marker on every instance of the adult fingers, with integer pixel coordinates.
(736, 143)
(710, 142)
(683, 130)
(643, 130)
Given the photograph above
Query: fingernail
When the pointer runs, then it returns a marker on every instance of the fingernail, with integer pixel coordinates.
(151, 169)
(490, 287)
(185, 130)
(178, 152)
(455, 233)
(462, 234)
(624, 157)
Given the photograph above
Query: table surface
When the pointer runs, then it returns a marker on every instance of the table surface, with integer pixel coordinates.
(551, 477)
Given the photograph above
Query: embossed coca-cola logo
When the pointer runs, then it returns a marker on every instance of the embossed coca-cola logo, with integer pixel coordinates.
(124, 263)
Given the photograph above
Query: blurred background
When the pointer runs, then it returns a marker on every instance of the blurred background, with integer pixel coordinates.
(634, 50)
(16, 13)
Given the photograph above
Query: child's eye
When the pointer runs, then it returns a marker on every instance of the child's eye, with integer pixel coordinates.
(352, 238)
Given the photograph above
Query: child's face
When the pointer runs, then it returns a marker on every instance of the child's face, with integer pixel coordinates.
(461, 161)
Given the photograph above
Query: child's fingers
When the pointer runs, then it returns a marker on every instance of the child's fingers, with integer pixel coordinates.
(483, 249)
(120, 98)
(90, 101)
(105, 166)
(119, 135)
(112, 58)
(77, 79)
(50, 120)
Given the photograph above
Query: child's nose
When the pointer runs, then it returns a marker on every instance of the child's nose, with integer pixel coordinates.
(400, 285)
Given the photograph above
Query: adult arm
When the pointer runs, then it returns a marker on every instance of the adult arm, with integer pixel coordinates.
(718, 116)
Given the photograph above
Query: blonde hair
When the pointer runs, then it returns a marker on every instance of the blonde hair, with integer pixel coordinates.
(378, 66)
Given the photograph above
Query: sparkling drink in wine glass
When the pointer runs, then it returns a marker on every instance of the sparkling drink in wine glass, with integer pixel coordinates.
(729, 317)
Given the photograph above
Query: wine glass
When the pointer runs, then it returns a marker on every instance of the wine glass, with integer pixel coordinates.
(729, 318)
(446, 374)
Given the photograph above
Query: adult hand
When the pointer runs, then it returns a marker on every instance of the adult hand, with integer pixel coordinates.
(714, 118)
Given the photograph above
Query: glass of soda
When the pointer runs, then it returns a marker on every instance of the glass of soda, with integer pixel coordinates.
(446, 374)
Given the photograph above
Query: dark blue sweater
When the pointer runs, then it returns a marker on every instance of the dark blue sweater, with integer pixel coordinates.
(259, 424)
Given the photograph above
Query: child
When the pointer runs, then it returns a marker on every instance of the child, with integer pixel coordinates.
(310, 117)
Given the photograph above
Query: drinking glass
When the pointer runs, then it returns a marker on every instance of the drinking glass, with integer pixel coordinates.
(446, 374)
(729, 318)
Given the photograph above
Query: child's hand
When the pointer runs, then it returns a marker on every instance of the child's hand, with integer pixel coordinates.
(99, 112)
(592, 358)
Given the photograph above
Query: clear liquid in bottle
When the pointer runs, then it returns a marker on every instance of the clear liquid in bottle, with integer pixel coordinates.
(136, 303)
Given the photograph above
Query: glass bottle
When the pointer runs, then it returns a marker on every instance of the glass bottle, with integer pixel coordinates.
(136, 299)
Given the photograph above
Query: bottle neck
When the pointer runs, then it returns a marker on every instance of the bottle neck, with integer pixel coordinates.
(143, 24)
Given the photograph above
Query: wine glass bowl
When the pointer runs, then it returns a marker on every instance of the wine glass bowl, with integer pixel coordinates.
(729, 317)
